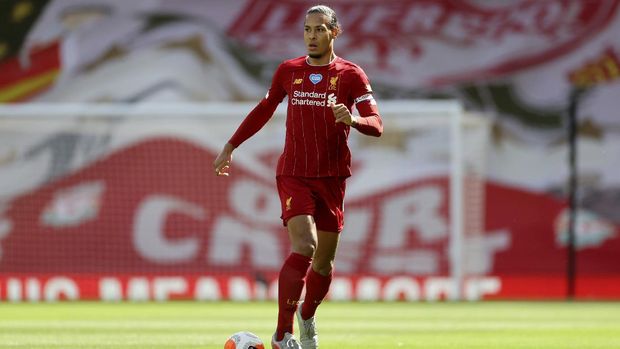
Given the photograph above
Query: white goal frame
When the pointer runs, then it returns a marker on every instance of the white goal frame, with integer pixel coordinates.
(434, 111)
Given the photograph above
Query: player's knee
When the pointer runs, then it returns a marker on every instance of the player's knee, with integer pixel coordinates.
(323, 267)
(306, 248)
(303, 235)
(304, 244)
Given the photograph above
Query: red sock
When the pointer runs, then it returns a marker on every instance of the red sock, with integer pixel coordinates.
(290, 285)
(317, 286)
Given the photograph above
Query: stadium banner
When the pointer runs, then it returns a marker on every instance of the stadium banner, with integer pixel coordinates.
(515, 60)
(242, 287)
(128, 208)
(99, 201)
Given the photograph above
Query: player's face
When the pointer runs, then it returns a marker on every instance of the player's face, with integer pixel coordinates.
(318, 37)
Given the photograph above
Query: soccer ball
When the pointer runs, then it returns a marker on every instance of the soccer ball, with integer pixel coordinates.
(244, 340)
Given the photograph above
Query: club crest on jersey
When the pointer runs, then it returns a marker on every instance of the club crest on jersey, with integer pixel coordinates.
(333, 83)
(316, 78)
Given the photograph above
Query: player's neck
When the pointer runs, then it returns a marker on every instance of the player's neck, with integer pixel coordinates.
(324, 60)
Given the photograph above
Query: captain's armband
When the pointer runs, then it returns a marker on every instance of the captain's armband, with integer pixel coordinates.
(366, 97)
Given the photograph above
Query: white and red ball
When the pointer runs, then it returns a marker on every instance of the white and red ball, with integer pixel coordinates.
(244, 340)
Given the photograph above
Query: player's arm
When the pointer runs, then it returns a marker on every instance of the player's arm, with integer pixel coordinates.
(221, 165)
(255, 120)
(369, 121)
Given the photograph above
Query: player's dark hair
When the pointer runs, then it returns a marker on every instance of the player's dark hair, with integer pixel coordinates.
(326, 11)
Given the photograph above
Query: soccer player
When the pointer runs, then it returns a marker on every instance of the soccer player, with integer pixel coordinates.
(311, 172)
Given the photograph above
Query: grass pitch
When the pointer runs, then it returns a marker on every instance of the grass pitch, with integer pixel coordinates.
(184, 325)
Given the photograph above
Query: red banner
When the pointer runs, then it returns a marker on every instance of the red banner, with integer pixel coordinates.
(133, 213)
(514, 36)
(50, 287)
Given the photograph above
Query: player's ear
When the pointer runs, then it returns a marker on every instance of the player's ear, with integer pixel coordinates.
(335, 32)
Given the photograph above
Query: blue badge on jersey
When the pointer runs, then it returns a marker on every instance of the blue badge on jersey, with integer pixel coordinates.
(316, 78)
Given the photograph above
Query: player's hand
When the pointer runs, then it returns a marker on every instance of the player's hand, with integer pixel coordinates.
(342, 114)
(221, 165)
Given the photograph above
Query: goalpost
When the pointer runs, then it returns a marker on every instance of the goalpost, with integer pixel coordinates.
(466, 137)
(122, 194)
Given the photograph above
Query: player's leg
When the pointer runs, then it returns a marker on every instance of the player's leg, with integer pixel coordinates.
(297, 209)
(303, 236)
(329, 218)
(319, 277)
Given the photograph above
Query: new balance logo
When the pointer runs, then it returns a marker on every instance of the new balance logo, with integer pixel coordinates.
(298, 81)
(331, 100)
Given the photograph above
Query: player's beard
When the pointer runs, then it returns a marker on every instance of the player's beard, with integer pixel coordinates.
(327, 53)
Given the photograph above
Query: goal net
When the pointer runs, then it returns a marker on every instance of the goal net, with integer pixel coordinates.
(119, 202)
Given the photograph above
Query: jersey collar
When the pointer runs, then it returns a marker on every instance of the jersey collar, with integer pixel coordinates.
(321, 65)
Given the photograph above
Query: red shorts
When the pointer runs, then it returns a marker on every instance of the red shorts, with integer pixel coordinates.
(321, 198)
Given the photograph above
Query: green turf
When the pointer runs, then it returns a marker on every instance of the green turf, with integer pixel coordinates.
(342, 325)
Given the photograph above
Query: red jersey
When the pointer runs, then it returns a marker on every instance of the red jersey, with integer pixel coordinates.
(315, 145)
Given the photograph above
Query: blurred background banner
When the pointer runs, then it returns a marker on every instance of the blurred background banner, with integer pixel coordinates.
(112, 196)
